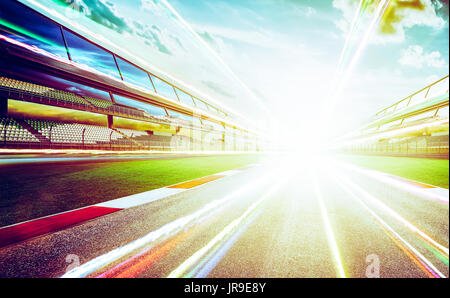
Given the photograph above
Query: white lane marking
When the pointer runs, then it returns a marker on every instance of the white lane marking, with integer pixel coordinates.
(157, 194)
(394, 214)
(134, 200)
(166, 231)
(435, 193)
(229, 173)
(346, 184)
(440, 192)
(141, 198)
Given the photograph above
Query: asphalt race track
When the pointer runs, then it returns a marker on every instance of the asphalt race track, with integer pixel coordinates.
(274, 219)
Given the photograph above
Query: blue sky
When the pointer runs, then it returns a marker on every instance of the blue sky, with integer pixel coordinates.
(290, 49)
(274, 58)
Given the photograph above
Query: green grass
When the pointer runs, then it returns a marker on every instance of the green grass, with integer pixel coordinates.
(430, 171)
(33, 190)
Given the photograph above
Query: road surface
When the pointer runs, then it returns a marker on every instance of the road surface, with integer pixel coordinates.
(279, 218)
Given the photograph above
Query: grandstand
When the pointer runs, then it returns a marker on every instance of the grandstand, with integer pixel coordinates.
(38, 133)
(416, 126)
(12, 132)
(53, 96)
(21, 90)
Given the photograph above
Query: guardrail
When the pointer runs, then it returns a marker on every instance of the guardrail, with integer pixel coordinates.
(407, 100)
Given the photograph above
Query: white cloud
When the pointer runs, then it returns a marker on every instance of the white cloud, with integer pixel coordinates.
(304, 11)
(150, 5)
(415, 56)
(395, 21)
(260, 37)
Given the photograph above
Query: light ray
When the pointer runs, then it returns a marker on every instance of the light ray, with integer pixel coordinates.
(397, 216)
(215, 55)
(382, 5)
(349, 35)
(164, 232)
(329, 230)
(226, 232)
(416, 254)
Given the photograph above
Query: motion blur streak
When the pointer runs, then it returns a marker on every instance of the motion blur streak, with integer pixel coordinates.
(137, 264)
(167, 230)
(397, 216)
(216, 56)
(329, 230)
(419, 263)
(88, 152)
(413, 253)
(206, 266)
(382, 5)
(393, 133)
(224, 235)
(411, 188)
(350, 34)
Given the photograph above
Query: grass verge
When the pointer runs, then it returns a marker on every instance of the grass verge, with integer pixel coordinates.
(430, 171)
(30, 191)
